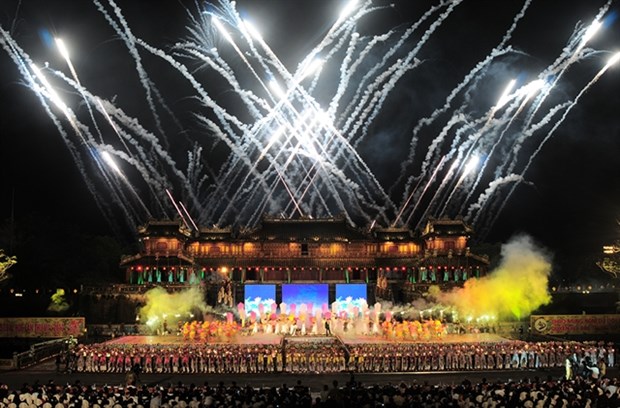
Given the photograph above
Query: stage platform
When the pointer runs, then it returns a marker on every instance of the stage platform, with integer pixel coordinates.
(180, 341)
(277, 339)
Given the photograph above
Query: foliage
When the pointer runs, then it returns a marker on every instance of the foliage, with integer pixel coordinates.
(6, 262)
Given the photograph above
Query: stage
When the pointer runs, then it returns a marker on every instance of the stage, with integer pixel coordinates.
(270, 338)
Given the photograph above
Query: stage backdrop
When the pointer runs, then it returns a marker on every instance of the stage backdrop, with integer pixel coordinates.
(44, 327)
(575, 324)
(254, 295)
(298, 294)
(355, 291)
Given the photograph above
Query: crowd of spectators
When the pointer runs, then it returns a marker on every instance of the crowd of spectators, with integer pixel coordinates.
(534, 393)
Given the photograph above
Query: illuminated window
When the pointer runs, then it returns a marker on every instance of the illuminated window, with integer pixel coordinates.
(161, 246)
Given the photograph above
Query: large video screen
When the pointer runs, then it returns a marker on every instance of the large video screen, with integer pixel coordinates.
(302, 294)
(350, 295)
(254, 295)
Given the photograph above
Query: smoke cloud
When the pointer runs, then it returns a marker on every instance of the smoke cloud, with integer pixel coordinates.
(172, 307)
(58, 303)
(515, 289)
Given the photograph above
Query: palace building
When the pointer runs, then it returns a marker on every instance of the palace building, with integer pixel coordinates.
(396, 264)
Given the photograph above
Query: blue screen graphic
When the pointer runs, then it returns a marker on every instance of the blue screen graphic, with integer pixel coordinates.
(257, 294)
(299, 294)
(351, 295)
(352, 290)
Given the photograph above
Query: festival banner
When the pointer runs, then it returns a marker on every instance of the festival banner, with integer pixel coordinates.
(43, 327)
(575, 324)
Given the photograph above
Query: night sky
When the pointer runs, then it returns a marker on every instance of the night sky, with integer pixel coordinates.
(569, 203)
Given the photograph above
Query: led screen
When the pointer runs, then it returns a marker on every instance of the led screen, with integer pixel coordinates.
(256, 294)
(303, 294)
(352, 290)
(350, 295)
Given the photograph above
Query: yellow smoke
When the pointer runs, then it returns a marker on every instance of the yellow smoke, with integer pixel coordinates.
(171, 307)
(516, 288)
(58, 303)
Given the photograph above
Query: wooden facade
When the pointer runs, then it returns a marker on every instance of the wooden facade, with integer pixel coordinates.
(305, 250)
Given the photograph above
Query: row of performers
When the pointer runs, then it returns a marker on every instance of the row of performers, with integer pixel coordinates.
(302, 326)
(205, 331)
(472, 356)
(416, 357)
(212, 358)
(326, 357)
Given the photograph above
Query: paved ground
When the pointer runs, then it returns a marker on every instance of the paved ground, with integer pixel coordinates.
(272, 338)
(46, 372)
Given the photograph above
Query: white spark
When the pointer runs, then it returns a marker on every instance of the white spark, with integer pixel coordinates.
(110, 161)
(506, 94)
(471, 165)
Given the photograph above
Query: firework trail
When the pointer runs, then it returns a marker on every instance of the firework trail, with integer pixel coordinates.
(579, 41)
(483, 201)
(528, 91)
(474, 75)
(570, 55)
(292, 141)
(613, 60)
(24, 64)
(125, 33)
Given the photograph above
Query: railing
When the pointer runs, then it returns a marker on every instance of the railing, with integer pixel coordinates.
(41, 351)
(344, 347)
(112, 330)
(6, 364)
(139, 289)
(159, 253)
